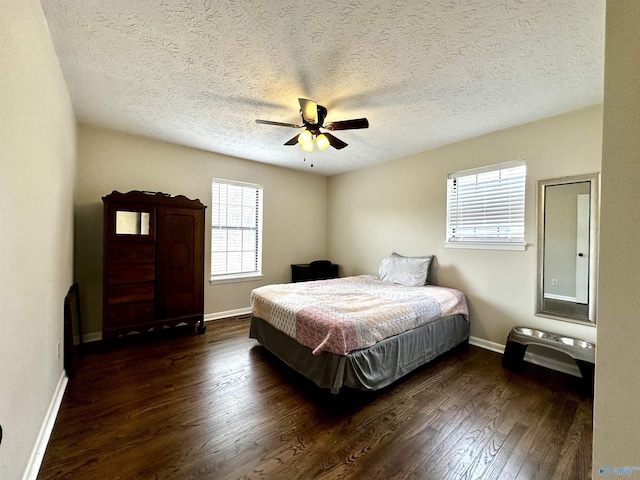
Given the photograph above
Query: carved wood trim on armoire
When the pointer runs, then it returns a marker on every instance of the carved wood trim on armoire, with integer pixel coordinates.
(153, 262)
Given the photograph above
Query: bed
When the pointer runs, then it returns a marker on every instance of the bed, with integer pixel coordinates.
(362, 332)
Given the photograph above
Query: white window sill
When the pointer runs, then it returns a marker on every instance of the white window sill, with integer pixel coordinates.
(235, 278)
(486, 245)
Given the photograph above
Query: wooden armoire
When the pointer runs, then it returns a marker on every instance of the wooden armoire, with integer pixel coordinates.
(153, 262)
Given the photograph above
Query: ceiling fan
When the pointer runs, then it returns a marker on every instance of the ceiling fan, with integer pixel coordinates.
(313, 116)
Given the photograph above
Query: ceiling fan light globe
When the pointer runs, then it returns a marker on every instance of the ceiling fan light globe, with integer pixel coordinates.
(307, 147)
(305, 137)
(322, 141)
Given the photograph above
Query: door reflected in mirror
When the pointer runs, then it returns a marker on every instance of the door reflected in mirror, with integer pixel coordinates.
(132, 223)
(567, 236)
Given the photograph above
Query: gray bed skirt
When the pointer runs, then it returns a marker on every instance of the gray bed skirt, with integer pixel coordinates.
(370, 368)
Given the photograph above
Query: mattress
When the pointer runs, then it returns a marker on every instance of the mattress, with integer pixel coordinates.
(417, 325)
(352, 313)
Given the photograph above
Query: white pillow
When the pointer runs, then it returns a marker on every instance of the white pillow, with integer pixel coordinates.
(409, 271)
(426, 257)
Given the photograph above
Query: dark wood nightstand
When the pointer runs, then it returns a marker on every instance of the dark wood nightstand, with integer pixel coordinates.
(318, 270)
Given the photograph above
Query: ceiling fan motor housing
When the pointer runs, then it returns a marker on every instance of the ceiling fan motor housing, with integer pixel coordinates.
(313, 116)
(315, 127)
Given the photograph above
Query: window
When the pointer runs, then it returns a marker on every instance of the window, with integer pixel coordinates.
(236, 231)
(485, 207)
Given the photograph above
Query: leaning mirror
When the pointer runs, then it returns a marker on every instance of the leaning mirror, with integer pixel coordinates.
(567, 248)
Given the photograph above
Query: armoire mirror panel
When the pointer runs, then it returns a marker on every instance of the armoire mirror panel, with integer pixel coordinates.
(567, 248)
(132, 223)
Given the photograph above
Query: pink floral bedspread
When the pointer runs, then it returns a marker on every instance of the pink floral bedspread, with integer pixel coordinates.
(345, 314)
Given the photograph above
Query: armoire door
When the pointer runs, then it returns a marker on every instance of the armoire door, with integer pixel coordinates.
(179, 262)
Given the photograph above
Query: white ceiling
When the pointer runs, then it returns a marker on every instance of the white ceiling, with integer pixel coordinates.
(425, 73)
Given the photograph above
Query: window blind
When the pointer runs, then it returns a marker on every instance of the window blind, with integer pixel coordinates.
(236, 229)
(487, 204)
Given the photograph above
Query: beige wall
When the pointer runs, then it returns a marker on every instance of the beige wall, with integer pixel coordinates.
(616, 411)
(401, 206)
(294, 208)
(37, 167)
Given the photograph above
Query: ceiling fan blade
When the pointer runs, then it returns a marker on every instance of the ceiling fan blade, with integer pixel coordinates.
(348, 124)
(309, 110)
(293, 141)
(279, 124)
(335, 142)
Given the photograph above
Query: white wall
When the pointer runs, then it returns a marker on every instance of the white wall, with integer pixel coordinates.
(401, 206)
(616, 411)
(295, 206)
(37, 168)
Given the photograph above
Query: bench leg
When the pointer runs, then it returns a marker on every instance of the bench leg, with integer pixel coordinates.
(587, 369)
(513, 357)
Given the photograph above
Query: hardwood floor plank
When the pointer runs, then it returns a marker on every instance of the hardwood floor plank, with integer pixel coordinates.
(219, 406)
(490, 462)
(575, 455)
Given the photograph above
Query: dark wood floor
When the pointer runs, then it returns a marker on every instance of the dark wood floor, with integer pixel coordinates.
(218, 406)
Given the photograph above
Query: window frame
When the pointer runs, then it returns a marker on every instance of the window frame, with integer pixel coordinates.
(242, 276)
(485, 242)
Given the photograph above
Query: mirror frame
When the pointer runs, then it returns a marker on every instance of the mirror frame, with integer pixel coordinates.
(594, 216)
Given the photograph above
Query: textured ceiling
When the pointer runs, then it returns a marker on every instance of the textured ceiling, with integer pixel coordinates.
(425, 73)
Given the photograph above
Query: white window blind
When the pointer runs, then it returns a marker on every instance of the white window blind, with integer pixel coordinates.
(486, 205)
(236, 230)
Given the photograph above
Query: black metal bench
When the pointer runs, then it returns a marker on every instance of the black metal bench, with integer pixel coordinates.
(582, 352)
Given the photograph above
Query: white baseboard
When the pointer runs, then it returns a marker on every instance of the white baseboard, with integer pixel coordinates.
(486, 344)
(229, 313)
(564, 298)
(534, 358)
(37, 454)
